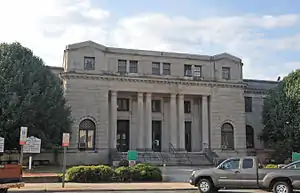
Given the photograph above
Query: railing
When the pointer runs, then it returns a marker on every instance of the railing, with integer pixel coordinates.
(185, 154)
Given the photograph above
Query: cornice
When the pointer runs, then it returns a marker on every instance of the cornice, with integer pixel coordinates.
(257, 91)
(151, 80)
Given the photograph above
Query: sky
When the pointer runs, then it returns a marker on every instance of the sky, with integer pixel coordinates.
(265, 34)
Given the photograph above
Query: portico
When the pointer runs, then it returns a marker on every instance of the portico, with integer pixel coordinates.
(156, 120)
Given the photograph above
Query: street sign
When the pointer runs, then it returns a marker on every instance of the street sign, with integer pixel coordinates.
(33, 145)
(132, 155)
(66, 139)
(132, 163)
(23, 135)
(295, 156)
(1, 144)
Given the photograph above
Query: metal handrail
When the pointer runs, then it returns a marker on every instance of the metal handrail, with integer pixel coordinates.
(171, 147)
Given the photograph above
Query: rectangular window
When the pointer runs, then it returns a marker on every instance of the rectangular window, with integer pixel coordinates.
(133, 66)
(188, 70)
(187, 106)
(123, 104)
(226, 73)
(156, 68)
(248, 104)
(86, 139)
(89, 63)
(122, 65)
(247, 163)
(166, 69)
(156, 106)
(197, 71)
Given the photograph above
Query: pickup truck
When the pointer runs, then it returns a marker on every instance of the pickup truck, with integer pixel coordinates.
(245, 173)
(10, 177)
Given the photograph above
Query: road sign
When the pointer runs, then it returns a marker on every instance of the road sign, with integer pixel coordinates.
(295, 156)
(33, 145)
(1, 144)
(23, 135)
(132, 155)
(66, 139)
(132, 163)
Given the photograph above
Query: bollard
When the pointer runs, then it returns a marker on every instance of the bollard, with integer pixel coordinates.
(164, 175)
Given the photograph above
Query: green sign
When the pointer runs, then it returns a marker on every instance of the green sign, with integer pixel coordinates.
(295, 156)
(132, 155)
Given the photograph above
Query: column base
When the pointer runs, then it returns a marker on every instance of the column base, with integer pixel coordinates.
(182, 150)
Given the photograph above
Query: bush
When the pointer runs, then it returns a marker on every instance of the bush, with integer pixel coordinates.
(271, 166)
(89, 174)
(124, 163)
(101, 173)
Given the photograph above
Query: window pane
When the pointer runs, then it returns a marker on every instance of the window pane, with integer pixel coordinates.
(122, 66)
(133, 65)
(187, 106)
(156, 68)
(82, 138)
(231, 164)
(247, 163)
(156, 106)
(197, 71)
(187, 70)
(248, 104)
(166, 69)
(89, 63)
(90, 138)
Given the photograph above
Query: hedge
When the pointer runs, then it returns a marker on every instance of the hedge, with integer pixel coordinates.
(101, 173)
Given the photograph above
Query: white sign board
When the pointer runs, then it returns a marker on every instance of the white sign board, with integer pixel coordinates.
(23, 135)
(1, 145)
(33, 145)
(66, 139)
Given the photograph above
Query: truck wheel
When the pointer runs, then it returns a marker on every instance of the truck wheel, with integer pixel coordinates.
(205, 186)
(282, 187)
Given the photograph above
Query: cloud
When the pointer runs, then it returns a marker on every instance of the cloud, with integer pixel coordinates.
(47, 26)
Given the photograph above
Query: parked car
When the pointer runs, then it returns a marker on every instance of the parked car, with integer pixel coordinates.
(245, 172)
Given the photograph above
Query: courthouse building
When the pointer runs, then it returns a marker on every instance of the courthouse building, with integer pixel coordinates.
(125, 99)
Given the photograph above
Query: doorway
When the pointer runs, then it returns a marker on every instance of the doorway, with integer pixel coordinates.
(188, 136)
(156, 136)
(123, 135)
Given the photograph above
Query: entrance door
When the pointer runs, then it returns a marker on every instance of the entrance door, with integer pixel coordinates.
(156, 136)
(188, 136)
(123, 135)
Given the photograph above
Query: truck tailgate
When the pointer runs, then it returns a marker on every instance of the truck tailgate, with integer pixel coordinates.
(10, 173)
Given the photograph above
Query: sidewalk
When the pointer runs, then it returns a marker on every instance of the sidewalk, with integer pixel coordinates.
(80, 187)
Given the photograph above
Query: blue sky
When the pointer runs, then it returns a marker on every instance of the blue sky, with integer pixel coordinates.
(264, 33)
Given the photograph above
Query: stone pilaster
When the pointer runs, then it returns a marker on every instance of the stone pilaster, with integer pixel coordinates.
(205, 129)
(173, 121)
(148, 122)
(141, 126)
(113, 119)
(181, 124)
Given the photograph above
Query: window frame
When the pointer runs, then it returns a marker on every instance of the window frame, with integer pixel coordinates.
(133, 66)
(225, 135)
(248, 104)
(248, 135)
(186, 70)
(221, 166)
(153, 101)
(247, 159)
(197, 73)
(119, 106)
(121, 67)
(187, 110)
(86, 132)
(166, 68)
(86, 60)
(155, 68)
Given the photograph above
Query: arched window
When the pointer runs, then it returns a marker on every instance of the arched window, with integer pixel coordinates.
(87, 130)
(227, 136)
(249, 136)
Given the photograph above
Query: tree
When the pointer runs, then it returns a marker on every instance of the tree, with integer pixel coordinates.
(281, 117)
(30, 95)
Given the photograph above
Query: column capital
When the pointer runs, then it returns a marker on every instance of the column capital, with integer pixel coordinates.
(113, 93)
(140, 94)
(204, 97)
(148, 94)
(173, 95)
(180, 96)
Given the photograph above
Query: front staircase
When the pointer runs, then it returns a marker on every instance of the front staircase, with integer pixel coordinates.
(170, 158)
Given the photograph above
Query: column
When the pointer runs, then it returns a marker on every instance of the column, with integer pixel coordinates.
(140, 117)
(205, 129)
(173, 121)
(148, 122)
(181, 120)
(113, 120)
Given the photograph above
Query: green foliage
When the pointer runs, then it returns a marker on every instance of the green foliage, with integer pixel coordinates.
(124, 162)
(30, 95)
(91, 174)
(281, 118)
(271, 166)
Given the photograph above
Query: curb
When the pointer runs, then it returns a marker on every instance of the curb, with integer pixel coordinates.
(103, 190)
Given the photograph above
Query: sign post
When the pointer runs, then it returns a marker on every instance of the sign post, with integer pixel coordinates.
(23, 138)
(33, 145)
(65, 144)
(132, 157)
(1, 145)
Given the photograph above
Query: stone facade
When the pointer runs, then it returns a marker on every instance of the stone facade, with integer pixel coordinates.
(146, 100)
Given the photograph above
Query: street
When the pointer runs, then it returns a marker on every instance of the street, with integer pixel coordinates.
(175, 191)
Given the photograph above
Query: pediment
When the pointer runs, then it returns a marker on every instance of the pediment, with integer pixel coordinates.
(226, 56)
(84, 44)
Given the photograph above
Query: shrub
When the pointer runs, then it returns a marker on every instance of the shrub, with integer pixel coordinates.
(271, 166)
(123, 174)
(124, 163)
(89, 174)
(145, 172)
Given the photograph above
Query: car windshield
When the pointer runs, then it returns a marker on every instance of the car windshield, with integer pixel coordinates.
(294, 165)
